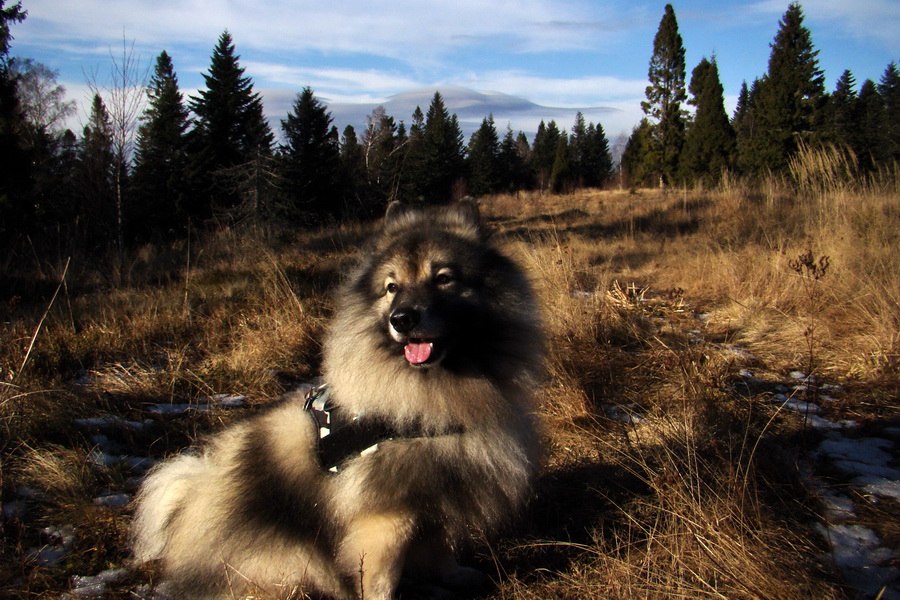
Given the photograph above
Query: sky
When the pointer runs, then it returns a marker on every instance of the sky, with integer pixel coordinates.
(561, 55)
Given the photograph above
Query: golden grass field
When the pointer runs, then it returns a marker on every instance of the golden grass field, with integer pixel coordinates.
(654, 302)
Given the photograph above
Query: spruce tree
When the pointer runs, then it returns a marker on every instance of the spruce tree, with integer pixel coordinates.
(230, 130)
(160, 185)
(578, 151)
(484, 159)
(665, 94)
(443, 154)
(840, 122)
(787, 109)
(635, 163)
(561, 172)
(96, 175)
(709, 142)
(889, 90)
(353, 175)
(526, 178)
(744, 125)
(871, 126)
(599, 164)
(16, 208)
(311, 157)
(543, 153)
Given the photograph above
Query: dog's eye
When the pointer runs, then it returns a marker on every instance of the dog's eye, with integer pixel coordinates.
(443, 279)
(392, 288)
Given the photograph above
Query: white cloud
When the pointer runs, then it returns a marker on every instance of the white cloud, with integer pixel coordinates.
(404, 30)
(559, 91)
(872, 19)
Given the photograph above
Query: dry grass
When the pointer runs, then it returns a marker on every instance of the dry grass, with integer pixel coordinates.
(646, 297)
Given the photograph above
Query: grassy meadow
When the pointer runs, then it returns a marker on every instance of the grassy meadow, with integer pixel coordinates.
(667, 474)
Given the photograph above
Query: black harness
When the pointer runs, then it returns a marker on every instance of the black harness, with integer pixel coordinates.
(343, 436)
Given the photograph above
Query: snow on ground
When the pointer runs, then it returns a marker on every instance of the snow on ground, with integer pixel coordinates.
(866, 465)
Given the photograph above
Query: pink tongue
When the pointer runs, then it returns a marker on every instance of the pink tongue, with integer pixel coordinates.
(417, 353)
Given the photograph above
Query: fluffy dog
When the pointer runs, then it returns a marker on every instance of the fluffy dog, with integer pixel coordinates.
(430, 435)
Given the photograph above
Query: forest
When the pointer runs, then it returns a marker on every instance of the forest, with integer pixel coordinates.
(150, 163)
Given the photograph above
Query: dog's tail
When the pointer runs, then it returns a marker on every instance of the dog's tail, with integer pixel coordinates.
(162, 495)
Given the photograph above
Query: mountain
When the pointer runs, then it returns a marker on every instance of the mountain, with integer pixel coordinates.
(470, 106)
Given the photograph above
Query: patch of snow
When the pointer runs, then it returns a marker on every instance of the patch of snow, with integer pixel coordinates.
(227, 400)
(796, 405)
(870, 451)
(48, 556)
(622, 414)
(94, 586)
(838, 507)
(175, 409)
(801, 376)
(113, 500)
(859, 553)
(881, 486)
(817, 422)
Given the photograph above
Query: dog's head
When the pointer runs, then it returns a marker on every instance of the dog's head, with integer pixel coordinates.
(427, 278)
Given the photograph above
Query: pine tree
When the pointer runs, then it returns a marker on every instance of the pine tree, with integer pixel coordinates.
(443, 155)
(870, 126)
(353, 175)
(787, 109)
(311, 157)
(744, 125)
(561, 172)
(484, 159)
(526, 176)
(160, 184)
(96, 174)
(599, 164)
(889, 90)
(543, 153)
(636, 164)
(839, 124)
(16, 207)
(578, 151)
(709, 143)
(231, 129)
(664, 97)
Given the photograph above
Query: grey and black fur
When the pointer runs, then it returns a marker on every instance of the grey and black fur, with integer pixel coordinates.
(436, 337)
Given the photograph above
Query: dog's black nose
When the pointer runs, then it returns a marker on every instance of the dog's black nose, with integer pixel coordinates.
(404, 320)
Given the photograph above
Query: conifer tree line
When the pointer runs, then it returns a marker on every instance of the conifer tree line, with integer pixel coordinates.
(776, 114)
(213, 158)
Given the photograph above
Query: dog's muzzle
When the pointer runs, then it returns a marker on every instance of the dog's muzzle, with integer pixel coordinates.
(409, 327)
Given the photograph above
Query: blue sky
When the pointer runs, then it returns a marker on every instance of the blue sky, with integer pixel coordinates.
(560, 54)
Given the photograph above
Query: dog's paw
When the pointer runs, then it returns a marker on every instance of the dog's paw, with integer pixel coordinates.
(464, 579)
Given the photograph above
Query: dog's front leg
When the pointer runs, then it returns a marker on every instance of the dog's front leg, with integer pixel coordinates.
(374, 549)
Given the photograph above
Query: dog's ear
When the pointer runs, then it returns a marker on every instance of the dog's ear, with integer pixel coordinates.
(468, 211)
(395, 210)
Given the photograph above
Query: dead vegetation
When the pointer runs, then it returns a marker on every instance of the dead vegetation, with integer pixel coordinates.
(665, 478)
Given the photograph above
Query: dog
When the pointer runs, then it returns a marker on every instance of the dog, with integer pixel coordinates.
(424, 435)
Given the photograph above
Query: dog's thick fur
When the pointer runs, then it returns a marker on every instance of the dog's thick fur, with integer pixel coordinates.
(436, 334)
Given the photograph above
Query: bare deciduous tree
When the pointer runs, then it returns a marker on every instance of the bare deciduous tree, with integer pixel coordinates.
(124, 93)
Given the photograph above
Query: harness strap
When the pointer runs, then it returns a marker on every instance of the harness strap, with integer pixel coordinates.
(342, 438)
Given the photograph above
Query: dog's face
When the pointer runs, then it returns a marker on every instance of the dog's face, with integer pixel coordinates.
(425, 281)
(427, 299)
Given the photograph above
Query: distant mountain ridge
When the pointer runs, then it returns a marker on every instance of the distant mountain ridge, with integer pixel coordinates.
(470, 106)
